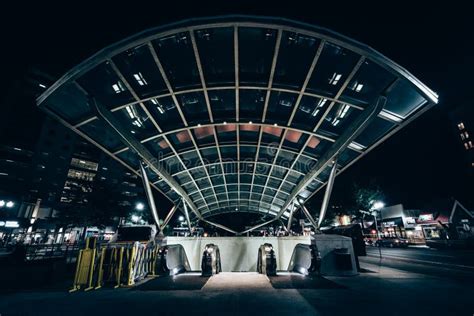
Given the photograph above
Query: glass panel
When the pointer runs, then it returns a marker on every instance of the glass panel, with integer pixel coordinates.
(103, 83)
(369, 82)
(316, 147)
(251, 104)
(340, 116)
(70, 103)
(100, 133)
(256, 49)
(177, 57)
(227, 134)
(296, 54)
(194, 107)
(402, 99)
(347, 156)
(141, 72)
(332, 69)
(280, 107)
(165, 113)
(216, 51)
(181, 140)
(309, 112)
(376, 129)
(191, 159)
(136, 121)
(210, 155)
(294, 140)
(130, 158)
(222, 105)
(204, 136)
(158, 147)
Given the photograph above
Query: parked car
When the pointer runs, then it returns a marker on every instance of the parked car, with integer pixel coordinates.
(392, 242)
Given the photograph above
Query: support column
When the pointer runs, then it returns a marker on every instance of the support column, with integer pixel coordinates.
(290, 218)
(327, 194)
(187, 216)
(149, 194)
(309, 217)
(169, 216)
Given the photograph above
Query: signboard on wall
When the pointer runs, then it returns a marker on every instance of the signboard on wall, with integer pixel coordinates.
(425, 217)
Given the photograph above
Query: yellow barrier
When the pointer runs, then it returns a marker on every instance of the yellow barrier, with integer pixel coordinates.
(115, 264)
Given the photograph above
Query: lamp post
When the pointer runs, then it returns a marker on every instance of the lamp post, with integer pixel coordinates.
(376, 206)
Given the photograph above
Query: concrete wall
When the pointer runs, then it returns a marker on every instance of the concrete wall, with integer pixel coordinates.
(238, 253)
(327, 245)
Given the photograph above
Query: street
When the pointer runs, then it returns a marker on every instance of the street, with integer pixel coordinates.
(454, 258)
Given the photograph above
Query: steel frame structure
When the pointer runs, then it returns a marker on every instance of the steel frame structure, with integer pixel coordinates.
(368, 112)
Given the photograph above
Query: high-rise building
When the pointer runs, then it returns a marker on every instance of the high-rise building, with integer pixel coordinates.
(463, 120)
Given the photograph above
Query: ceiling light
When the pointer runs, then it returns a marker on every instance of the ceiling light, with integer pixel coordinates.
(335, 79)
(139, 78)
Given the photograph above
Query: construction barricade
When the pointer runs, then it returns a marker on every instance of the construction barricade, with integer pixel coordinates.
(114, 265)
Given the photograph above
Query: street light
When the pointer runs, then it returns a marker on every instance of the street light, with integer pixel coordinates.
(377, 205)
(135, 218)
(10, 204)
(2, 203)
(140, 206)
(181, 218)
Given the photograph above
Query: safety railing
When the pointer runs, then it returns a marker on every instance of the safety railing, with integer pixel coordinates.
(116, 265)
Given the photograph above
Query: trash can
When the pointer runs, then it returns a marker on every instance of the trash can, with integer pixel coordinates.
(343, 259)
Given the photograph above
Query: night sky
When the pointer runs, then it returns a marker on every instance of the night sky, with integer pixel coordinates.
(419, 164)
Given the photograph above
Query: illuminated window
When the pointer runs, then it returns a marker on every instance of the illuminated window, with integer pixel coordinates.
(80, 175)
(462, 136)
(466, 146)
(357, 86)
(461, 126)
(84, 164)
(466, 135)
(470, 144)
(335, 79)
(139, 78)
(118, 87)
(321, 103)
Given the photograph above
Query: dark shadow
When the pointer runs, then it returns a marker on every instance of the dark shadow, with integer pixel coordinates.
(362, 270)
(299, 281)
(187, 282)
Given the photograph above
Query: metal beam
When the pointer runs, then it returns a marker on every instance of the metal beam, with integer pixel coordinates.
(350, 133)
(173, 94)
(290, 218)
(282, 140)
(163, 134)
(196, 147)
(149, 195)
(219, 226)
(236, 72)
(272, 73)
(167, 83)
(150, 160)
(169, 216)
(186, 213)
(201, 75)
(339, 92)
(327, 195)
(220, 160)
(309, 216)
(306, 81)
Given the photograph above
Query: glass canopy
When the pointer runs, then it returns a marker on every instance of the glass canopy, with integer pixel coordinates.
(236, 110)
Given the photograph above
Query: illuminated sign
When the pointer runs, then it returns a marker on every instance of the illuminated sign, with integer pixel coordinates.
(12, 224)
(425, 217)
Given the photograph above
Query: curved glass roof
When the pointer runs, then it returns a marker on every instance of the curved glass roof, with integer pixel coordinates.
(234, 113)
